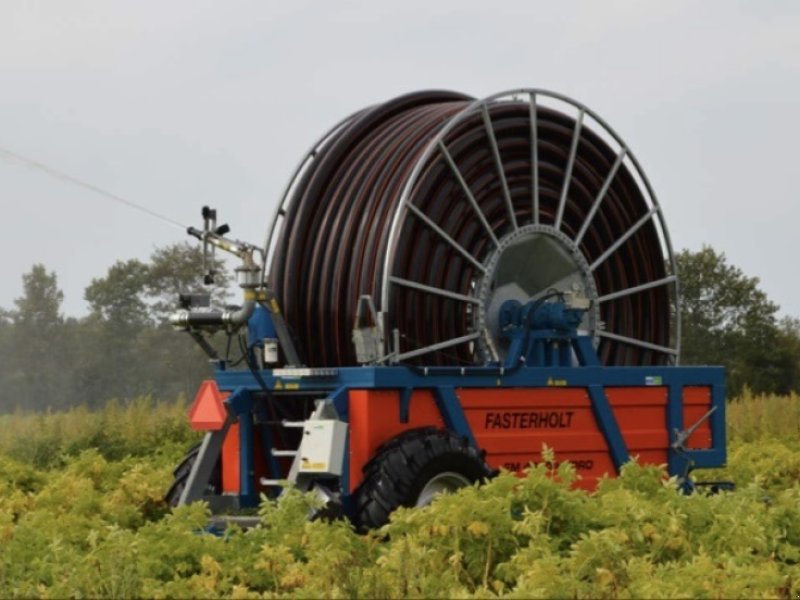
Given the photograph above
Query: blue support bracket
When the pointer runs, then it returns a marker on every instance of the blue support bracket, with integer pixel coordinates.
(682, 460)
(340, 397)
(452, 412)
(585, 352)
(718, 437)
(344, 480)
(678, 462)
(608, 425)
(405, 403)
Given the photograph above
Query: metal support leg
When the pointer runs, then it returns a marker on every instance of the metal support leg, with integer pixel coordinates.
(207, 458)
(608, 425)
(453, 412)
(405, 403)
(515, 350)
(677, 461)
(564, 354)
(247, 487)
(584, 350)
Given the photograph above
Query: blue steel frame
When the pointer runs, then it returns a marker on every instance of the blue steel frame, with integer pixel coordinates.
(444, 381)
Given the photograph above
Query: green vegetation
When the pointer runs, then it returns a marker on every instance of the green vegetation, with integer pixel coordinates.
(81, 515)
(727, 320)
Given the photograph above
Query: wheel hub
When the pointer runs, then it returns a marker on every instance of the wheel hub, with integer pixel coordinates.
(443, 482)
(527, 265)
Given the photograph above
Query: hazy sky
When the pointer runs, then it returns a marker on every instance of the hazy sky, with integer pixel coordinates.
(176, 104)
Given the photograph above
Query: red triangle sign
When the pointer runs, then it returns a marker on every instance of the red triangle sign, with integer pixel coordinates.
(208, 412)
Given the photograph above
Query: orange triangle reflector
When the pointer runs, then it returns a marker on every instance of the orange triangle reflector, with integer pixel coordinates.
(208, 412)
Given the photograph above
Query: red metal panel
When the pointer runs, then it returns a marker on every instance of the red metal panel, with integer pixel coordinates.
(511, 425)
(231, 462)
(696, 403)
(375, 419)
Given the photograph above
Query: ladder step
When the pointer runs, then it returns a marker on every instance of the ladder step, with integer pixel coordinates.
(272, 482)
(284, 452)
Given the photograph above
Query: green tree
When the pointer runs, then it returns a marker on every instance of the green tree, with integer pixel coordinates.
(177, 364)
(177, 269)
(40, 304)
(728, 320)
(37, 360)
(110, 367)
(134, 293)
(118, 298)
(788, 354)
(6, 357)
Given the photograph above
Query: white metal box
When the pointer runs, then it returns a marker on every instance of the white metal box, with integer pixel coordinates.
(322, 448)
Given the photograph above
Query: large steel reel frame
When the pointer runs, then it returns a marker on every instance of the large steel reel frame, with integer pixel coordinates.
(482, 344)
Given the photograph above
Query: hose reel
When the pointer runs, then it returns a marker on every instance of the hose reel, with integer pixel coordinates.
(442, 208)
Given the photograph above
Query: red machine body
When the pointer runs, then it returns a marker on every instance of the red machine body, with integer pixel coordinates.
(510, 425)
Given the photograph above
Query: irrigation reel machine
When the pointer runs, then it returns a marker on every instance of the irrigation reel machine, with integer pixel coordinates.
(447, 285)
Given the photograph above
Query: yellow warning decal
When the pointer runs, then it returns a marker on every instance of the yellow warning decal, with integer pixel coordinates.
(315, 466)
(556, 382)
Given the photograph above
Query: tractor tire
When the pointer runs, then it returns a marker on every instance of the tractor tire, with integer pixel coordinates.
(410, 469)
(181, 473)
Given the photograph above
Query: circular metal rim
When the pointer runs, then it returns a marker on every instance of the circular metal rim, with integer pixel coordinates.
(280, 210)
(447, 481)
(402, 211)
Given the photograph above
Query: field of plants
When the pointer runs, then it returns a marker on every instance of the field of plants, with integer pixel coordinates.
(81, 515)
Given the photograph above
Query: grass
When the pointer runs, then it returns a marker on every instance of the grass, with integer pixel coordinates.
(756, 417)
(141, 427)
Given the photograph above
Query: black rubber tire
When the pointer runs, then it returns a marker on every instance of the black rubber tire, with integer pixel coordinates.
(181, 473)
(398, 472)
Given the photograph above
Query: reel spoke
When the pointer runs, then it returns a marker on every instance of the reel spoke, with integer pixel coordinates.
(487, 123)
(468, 193)
(443, 234)
(636, 342)
(600, 196)
(534, 158)
(439, 346)
(570, 165)
(638, 288)
(433, 290)
(615, 246)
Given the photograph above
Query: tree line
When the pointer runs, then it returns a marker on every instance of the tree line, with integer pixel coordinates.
(125, 348)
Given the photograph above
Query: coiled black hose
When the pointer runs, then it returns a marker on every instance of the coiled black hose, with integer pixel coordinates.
(335, 235)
